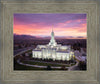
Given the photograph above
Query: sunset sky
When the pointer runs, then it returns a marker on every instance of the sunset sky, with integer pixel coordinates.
(40, 25)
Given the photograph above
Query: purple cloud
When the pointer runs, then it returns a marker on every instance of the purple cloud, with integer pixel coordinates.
(46, 19)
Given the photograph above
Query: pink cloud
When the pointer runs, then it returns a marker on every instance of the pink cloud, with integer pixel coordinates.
(61, 29)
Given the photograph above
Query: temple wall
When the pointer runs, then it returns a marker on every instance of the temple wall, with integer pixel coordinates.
(37, 54)
(55, 55)
(51, 54)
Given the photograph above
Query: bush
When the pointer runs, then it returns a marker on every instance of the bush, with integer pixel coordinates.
(49, 67)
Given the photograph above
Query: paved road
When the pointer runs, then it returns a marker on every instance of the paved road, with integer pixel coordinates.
(18, 61)
(19, 51)
(47, 62)
(81, 58)
(75, 67)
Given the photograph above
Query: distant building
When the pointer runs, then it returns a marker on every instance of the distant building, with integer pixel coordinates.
(80, 53)
(53, 51)
(81, 56)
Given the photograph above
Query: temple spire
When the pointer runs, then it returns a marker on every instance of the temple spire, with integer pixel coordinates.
(52, 29)
(52, 41)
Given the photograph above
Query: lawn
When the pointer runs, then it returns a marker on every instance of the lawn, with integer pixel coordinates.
(43, 64)
(23, 67)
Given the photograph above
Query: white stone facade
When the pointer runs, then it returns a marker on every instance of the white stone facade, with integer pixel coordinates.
(53, 51)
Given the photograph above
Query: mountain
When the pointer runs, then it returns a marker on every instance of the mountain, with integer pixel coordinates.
(26, 37)
(17, 37)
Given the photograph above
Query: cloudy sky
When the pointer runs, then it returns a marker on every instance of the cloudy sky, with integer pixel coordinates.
(40, 25)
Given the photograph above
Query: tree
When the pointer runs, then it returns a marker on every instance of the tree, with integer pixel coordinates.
(49, 67)
(82, 66)
(63, 68)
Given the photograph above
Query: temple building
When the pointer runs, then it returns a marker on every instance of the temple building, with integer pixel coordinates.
(53, 51)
